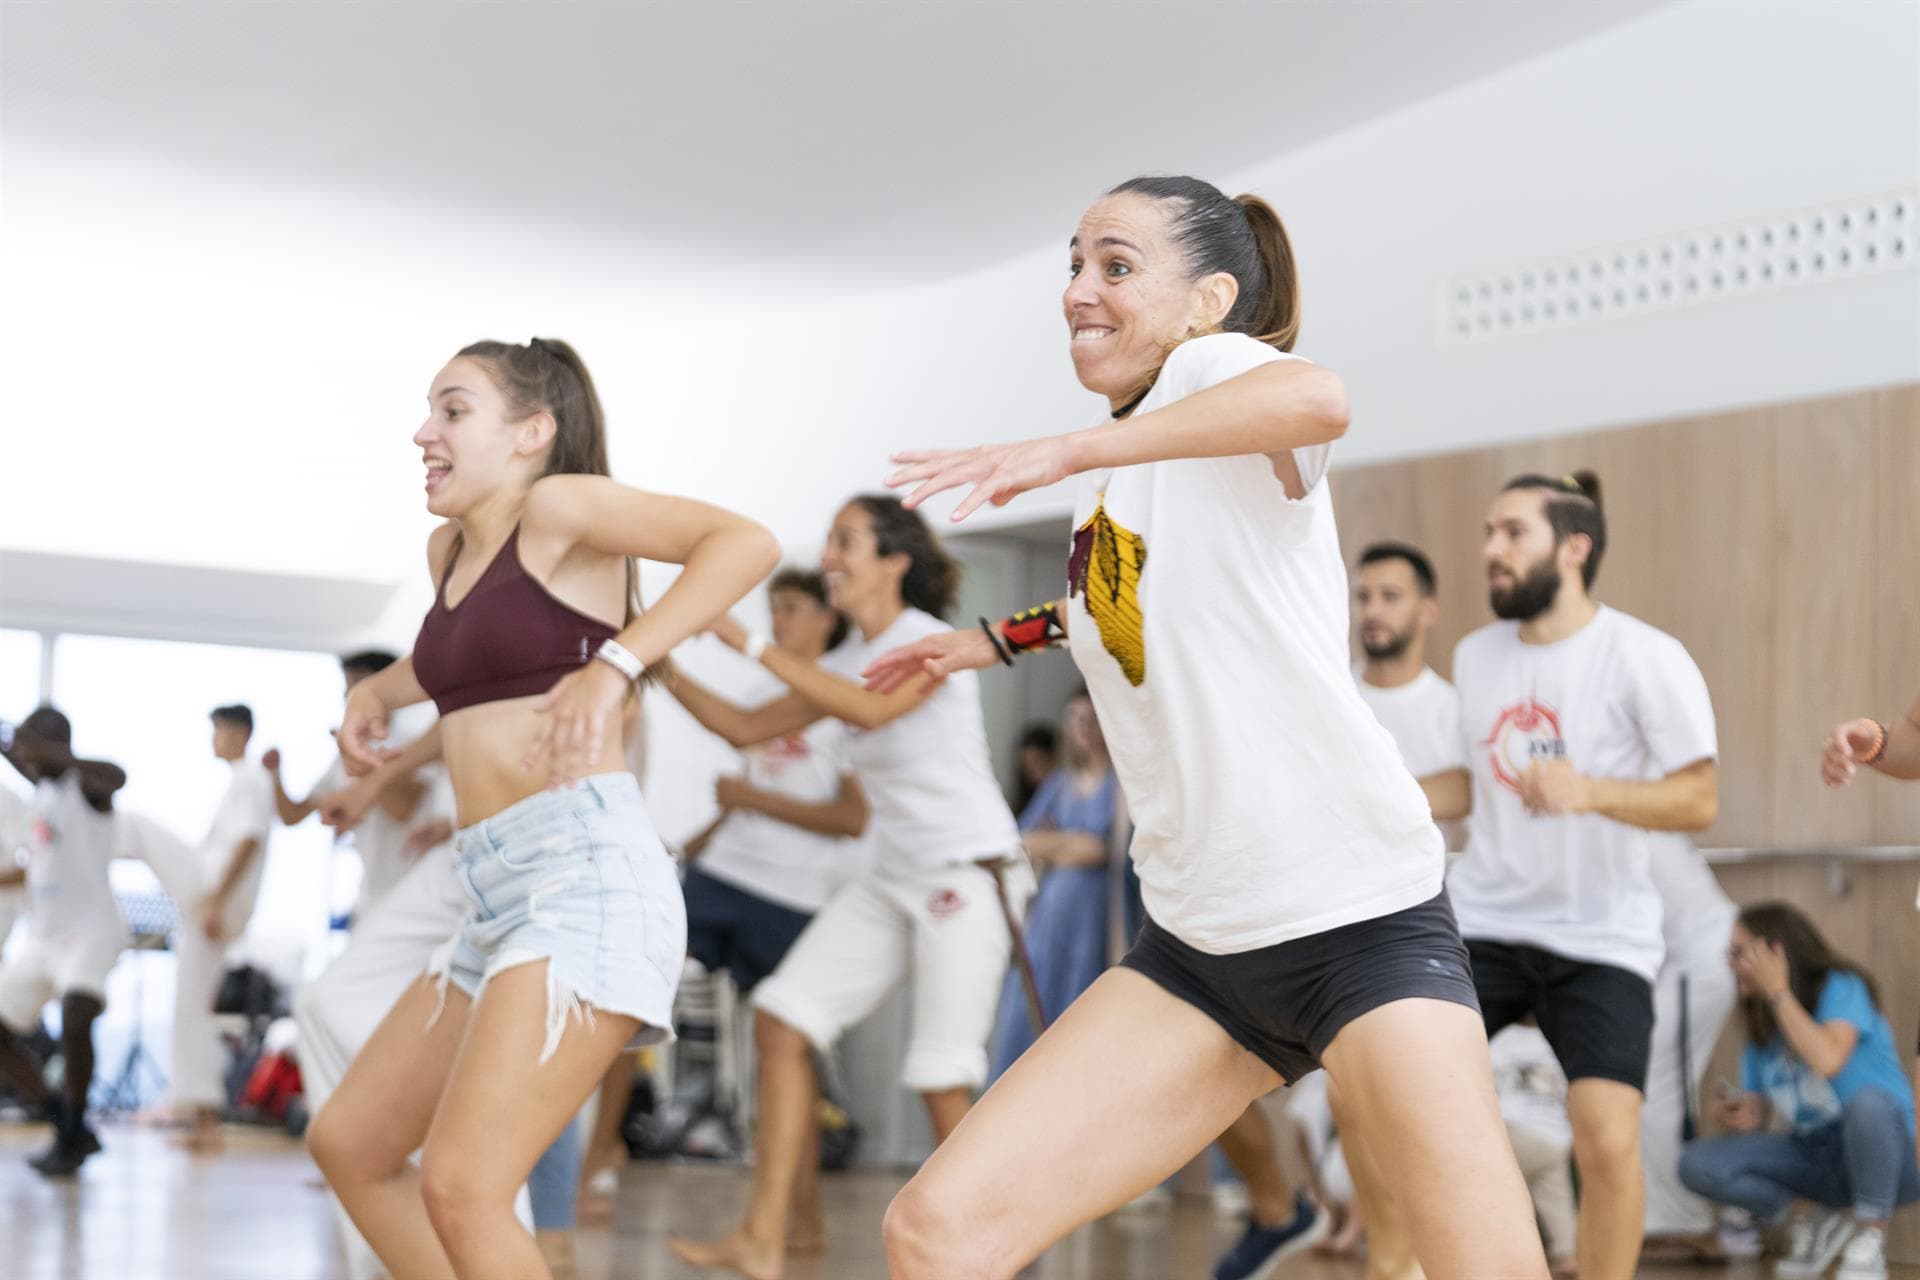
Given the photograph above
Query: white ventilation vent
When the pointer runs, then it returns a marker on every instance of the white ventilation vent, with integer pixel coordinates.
(1698, 268)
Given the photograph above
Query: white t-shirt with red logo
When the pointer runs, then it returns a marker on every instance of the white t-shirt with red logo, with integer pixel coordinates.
(1619, 699)
(773, 859)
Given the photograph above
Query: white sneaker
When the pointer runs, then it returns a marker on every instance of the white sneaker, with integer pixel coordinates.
(1865, 1257)
(1813, 1244)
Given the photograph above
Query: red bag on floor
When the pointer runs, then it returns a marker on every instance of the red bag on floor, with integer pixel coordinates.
(273, 1086)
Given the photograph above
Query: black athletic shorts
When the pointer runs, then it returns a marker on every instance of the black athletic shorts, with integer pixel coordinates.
(1286, 1003)
(1597, 1017)
(743, 933)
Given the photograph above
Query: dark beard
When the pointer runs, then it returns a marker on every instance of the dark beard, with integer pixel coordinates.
(1396, 645)
(1530, 597)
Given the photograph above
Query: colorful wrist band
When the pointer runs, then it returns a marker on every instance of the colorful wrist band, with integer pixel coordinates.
(1035, 628)
(993, 638)
(1880, 749)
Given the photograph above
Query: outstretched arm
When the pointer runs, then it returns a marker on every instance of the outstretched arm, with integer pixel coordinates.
(1272, 409)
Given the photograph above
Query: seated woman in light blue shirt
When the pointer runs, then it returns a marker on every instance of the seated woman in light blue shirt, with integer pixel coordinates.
(1820, 1062)
(1067, 829)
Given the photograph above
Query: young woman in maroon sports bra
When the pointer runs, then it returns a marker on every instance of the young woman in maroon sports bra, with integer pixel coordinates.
(577, 933)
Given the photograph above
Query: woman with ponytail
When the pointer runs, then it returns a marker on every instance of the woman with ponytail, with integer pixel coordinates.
(575, 932)
(928, 914)
(1289, 862)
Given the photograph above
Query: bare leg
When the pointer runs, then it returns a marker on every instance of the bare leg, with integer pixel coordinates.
(946, 1108)
(789, 1095)
(503, 1107)
(806, 1225)
(972, 1213)
(1390, 1254)
(366, 1133)
(1613, 1190)
(1415, 1086)
(606, 1146)
(1249, 1147)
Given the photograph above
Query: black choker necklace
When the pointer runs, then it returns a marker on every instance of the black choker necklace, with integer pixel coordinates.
(1134, 403)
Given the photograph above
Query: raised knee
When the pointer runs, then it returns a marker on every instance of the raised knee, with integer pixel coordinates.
(340, 1151)
(1608, 1151)
(927, 1234)
(1697, 1170)
(456, 1192)
(1868, 1110)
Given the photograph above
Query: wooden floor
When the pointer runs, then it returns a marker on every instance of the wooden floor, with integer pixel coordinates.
(143, 1211)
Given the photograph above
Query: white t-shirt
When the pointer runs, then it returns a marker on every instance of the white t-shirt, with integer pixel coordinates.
(928, 777)
(1619, 699)
(1208, 613)
(1696, 916)
(773, 859)
(1423, 716)
(246, 810)
(69, 844)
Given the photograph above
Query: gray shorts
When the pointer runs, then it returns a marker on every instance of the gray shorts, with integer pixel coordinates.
(576, 878)
(1286, 1003)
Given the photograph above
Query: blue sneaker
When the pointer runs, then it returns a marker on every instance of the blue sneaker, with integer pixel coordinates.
(1262, 1249)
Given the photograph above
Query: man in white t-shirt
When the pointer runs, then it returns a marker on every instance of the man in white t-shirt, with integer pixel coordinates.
(1396, 601)
(381, 837)
(232, 858)
(1587, 730)
(75, 931)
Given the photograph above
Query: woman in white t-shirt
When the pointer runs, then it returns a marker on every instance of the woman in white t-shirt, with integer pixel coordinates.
(1288, 860)
(927, 912)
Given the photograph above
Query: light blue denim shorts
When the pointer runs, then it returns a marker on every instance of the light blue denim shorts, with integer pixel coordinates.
(576, 878)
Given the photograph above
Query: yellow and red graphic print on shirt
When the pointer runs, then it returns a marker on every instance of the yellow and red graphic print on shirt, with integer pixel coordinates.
(1105, 568)
(1523, 735)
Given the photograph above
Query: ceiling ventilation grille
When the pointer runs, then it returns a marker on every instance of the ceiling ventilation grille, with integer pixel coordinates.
(1704, 267)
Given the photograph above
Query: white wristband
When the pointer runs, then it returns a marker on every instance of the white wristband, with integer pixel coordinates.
(621, 659)
(756, 645)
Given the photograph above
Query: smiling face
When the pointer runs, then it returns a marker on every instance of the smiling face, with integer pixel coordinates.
(470, 442)
(858, 576)
(1130, 298)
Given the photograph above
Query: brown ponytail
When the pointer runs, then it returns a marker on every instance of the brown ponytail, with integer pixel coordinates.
(548, 375)
(1276, 320)
(1241, 237)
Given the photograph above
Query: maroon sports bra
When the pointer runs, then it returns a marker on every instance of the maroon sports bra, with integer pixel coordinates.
(509, 638)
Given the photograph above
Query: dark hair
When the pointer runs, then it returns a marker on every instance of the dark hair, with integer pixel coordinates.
(546, 374)
(1415, 558)
(1810, 962)
(812, 584)
(1573, 506)
(933, 576)
(238, 713)
(45, 722)
(1040, 735)
(367, 662)
(1241, 236)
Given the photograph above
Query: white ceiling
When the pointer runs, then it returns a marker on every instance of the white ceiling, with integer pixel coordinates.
(863, 143)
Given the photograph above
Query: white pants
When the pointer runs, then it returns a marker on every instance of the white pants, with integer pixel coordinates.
(199, 1054)
(944, 928)
(1671, 1208)
(338, 1011)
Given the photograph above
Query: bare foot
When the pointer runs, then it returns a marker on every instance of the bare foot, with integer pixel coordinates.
(807, 1240)
(734, 1252)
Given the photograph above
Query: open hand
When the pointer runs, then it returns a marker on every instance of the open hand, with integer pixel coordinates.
(578, 710)
(998, 472)
(1761, 967)
(936, 657)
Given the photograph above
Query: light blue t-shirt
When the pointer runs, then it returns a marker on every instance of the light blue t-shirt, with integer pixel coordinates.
(1804, 1098)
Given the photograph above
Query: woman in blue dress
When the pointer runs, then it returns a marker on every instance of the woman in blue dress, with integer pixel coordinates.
(1068, 832)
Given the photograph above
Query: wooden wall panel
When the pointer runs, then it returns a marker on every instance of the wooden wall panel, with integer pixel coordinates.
(1829, 587)
(1896, 807)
